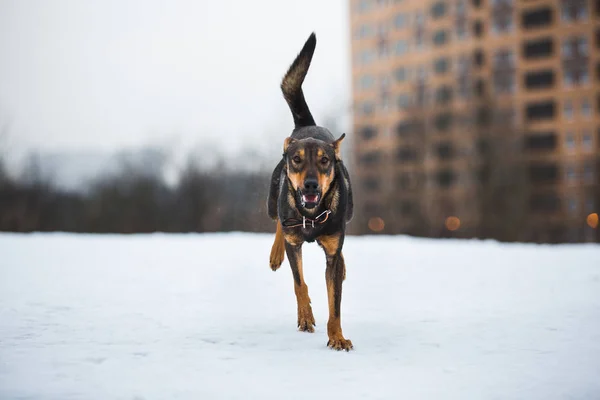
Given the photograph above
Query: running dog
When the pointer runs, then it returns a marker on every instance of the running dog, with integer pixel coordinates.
(310, 198)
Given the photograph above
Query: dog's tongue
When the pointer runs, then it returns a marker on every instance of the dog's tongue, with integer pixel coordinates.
(310, 198)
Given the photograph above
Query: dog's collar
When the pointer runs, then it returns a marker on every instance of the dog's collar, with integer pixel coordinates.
(293, 222)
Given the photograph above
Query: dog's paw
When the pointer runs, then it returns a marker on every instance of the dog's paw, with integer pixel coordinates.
(275, 265)
(340, 344)
(306, 322)
(275, 260)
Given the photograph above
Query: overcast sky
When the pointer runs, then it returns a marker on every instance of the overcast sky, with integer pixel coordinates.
(107, 74)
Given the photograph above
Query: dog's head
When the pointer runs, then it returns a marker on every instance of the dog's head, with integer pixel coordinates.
(311, 168)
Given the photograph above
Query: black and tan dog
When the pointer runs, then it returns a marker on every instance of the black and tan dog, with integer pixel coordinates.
(311, 199)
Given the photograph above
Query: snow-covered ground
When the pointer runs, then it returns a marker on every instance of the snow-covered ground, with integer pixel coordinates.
(203, 317)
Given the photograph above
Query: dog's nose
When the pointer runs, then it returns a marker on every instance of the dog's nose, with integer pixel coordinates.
(311, 184)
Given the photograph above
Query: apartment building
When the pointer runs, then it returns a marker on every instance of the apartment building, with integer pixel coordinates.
(473, 116)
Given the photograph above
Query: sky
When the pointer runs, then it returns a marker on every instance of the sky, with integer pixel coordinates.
(100, 76)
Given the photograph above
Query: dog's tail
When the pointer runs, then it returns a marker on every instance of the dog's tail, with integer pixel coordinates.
(291, 85)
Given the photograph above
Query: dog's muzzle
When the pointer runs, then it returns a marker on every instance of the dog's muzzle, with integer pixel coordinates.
(310, 195)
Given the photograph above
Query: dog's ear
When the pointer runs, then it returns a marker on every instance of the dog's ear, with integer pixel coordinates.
(336, 146)
(287, 142)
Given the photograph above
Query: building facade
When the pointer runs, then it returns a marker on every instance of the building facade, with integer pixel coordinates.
(477, 118)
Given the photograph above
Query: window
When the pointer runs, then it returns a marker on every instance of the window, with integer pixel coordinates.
(538, 48)
(368, 132)
(478, 57)
(568, 110)
(401, 74)
(575, 60)
(406, 154)
(539, 79)
(404, 181)
(367, 108)
(573, 10)
(438, 9)
(441, 65)
(443, 121)
(483, 116)
(364, 6)
(365, 31)
(445, 178)
(480, 88)
(502, 16)
(371, 208)
(404, 101)
(478, 28)
(443, 94)
(586, 140)
(572, 204)
(540, 110)
(408, 180)
(421, 87)
(575, 46)
(544, 202)
(444, 150)
(370, 159)
(419, 35)
(366, 82)
(504, 116)
(504, 71)
(440, 37)
(406, 208)
(400, 21)
(589, 204)
(586, 108)
(366, 57)
(408, 128)
(588, 172)
(537, 18)
(540, 141)
(543, 173)
(371, 183)
(461, 20)
(401, 47)
(464, 77)
(570, 141)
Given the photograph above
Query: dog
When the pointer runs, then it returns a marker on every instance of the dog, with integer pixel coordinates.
(310, 198)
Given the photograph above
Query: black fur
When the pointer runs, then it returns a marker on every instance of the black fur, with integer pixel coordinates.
(291, 85)
(311, 153)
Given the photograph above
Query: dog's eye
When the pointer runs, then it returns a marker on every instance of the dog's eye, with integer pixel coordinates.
(324, 160)
(296, 159)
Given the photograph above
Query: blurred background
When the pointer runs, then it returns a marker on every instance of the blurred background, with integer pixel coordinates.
(464, 118)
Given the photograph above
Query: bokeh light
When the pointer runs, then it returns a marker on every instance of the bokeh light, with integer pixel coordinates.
(376, 224)
(452, 223)
(592, 220)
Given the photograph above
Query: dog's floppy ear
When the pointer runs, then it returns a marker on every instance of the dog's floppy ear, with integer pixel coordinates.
(336, 146)
(287, 142)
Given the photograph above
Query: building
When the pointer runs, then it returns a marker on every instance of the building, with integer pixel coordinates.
(477, 118)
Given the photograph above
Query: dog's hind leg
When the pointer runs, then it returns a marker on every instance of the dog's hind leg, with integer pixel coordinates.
(278, 249)
(306, 320)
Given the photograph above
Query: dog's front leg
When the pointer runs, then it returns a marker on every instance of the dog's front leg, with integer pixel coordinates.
(335, 275)
(306, 320)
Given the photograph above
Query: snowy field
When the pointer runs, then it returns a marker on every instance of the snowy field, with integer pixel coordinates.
(203, 317)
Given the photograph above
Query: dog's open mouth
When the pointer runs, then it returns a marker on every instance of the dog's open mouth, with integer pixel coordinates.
(310, 200)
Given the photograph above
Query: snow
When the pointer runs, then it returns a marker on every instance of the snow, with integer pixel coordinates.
(202, 317)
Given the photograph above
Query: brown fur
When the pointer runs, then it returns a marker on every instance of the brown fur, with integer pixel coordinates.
(311, 167)
(278, 249)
